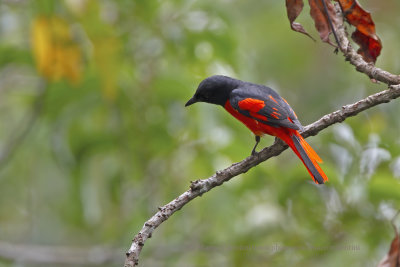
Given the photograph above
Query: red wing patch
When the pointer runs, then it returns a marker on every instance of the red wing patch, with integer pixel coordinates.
(273, 99)
(273, 115)
(276, 115)
(251, 104)
(251, 123)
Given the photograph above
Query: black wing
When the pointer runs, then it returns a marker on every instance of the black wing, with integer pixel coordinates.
(264, 105)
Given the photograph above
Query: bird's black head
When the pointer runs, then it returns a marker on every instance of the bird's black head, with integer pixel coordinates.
(214, 90)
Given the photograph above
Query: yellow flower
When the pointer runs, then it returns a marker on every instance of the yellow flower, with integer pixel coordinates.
(57, 55)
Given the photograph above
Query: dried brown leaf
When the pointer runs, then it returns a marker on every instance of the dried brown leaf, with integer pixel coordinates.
(321, 19)
(293, 9)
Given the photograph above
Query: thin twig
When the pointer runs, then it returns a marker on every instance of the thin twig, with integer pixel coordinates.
(330, 23)
(392, 222)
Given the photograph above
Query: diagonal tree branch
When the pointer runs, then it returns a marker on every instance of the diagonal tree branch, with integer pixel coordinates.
(199, 187)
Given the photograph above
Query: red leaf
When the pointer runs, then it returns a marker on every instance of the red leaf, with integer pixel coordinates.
(370, 48)
(293, 9)
(364, 35)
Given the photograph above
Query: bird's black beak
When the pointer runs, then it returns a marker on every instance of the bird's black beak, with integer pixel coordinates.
(191, 101)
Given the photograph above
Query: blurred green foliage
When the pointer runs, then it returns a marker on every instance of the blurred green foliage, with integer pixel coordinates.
(110, 148)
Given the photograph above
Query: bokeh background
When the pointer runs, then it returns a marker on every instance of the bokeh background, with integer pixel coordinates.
(94, 135)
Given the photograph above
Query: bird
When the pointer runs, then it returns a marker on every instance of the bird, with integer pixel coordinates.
(263, 111)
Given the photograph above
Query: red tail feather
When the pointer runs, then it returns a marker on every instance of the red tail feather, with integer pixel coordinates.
(305, 152)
